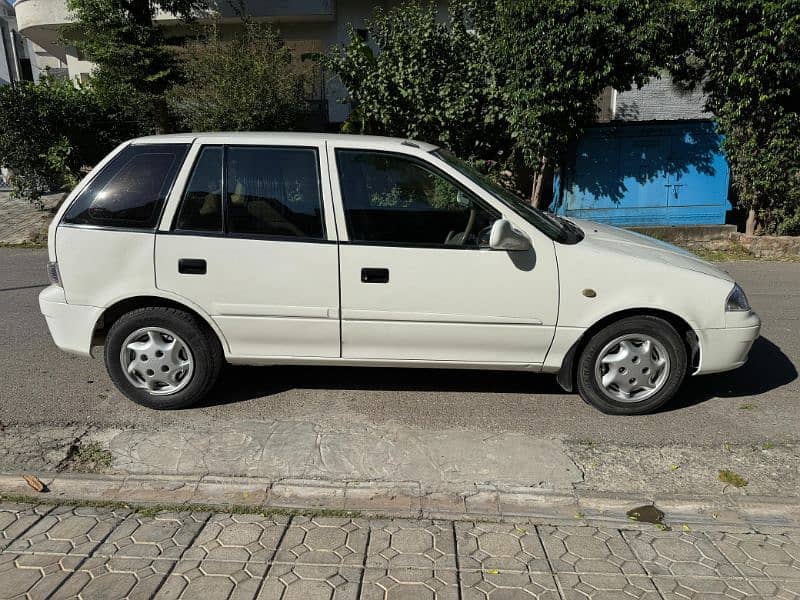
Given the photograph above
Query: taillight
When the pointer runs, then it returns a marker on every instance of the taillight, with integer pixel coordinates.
(52, 273)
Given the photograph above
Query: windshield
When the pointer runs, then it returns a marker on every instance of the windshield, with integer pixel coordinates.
(554, 227)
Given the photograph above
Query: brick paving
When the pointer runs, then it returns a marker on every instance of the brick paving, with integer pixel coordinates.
(22, 222)
(80, 552)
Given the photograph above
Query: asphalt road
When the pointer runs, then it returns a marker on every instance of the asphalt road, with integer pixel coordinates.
(757, 403)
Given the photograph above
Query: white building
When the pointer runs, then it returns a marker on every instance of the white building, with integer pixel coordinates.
(20, 58)
(305, 25)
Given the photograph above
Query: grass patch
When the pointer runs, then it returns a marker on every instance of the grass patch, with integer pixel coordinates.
(151, 510)
(91, 458)
(747, 406)
(732, 252)
(25, 245)
(731, 478)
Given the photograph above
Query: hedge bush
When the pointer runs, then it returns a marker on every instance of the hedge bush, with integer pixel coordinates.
(51, 129)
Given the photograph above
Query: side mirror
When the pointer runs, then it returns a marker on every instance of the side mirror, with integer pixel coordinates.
(504, 237)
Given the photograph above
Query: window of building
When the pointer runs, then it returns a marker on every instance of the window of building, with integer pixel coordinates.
(390, 198)
(201, 207)
(130, 191)
(273, 191)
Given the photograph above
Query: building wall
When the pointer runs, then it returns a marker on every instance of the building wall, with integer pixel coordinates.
(659, 100)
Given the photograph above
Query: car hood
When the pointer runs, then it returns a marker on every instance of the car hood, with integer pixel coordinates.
(645, 247)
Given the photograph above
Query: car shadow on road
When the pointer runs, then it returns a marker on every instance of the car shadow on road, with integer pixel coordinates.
(768, 368)
(246, 383)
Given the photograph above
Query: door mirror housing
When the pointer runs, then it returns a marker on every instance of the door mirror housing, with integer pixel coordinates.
(505, 237)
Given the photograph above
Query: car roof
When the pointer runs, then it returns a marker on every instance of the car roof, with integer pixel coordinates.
(266, 136)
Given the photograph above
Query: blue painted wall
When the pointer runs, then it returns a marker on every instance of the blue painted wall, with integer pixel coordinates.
(665, 174)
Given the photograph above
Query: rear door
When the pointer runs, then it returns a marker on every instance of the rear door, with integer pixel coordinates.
(251, 240)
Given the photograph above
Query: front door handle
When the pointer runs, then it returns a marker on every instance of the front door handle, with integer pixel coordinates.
(192, 266)
(374, 275)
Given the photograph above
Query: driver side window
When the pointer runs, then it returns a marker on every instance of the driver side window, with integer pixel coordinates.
(390, 198)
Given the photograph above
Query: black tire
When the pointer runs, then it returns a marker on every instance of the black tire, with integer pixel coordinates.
(203, 343)
(660, 330)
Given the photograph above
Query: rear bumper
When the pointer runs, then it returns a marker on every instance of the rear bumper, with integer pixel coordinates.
(726, 349)
(71, 326)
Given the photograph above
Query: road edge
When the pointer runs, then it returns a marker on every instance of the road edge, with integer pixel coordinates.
(409, 500)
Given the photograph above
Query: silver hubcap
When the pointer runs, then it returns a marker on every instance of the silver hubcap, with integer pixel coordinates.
(632, 368)
(157, 360)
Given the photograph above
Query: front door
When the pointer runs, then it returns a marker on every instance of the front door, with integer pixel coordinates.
(418, 281)
(250, 244)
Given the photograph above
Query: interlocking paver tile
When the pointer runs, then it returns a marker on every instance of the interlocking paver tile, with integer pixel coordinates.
(779, 590)
(39, 575)
(483, 585)
(325, 541)
(405, 543)
(69, 530)
(211, 579)
(166, 535)
(16, 518)
(409, 584)
(707, 588)
(500, 546)
(759, 555)
(103, 578)
(311, 582)
(239, 538)
(588, 550)
(679, 554)
(607, 586)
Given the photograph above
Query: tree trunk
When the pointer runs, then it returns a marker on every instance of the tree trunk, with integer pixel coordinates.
(542, 191)
(752, 223)
(161, 116)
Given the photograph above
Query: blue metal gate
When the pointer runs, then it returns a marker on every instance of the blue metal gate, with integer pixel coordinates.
(666, 174)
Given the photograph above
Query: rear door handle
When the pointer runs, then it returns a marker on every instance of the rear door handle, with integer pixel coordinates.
(192, 266)
(374, 275)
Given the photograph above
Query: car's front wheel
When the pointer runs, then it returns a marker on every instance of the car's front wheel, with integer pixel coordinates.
(162, 357)
(632, 366)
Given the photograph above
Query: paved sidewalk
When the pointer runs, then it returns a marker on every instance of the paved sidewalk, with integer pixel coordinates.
(22, 222)
(80, 552)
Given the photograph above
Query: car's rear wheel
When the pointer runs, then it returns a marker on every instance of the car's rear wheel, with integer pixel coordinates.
(162, 357)
(632, 366)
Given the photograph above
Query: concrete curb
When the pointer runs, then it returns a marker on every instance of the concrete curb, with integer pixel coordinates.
(409, 500)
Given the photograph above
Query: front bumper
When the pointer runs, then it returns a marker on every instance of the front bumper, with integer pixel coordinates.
(71, 325)
(726, 349)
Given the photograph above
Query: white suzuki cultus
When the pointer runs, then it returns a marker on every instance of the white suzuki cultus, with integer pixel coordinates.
(177, 253)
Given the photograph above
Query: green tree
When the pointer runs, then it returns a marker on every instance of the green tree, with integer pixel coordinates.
(247, 83)
(49, 131)
(745, 54)
(511, 79)
(559, 55)
(430, 80)
(133, 64)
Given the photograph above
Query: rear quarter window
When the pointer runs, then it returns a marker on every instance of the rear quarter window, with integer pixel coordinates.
(130, 191)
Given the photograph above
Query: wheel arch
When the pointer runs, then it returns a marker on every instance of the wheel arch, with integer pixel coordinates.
(124, 305)
(566, 373)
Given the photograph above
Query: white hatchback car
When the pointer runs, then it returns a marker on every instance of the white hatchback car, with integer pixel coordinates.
(180, 252)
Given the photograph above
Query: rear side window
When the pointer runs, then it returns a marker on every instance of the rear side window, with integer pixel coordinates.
(201, 208)
(130, 191)
(273, 191)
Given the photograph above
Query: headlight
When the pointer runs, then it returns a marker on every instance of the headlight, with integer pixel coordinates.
(737, 301)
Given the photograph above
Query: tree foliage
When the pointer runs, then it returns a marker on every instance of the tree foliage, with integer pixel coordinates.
(50, 130)
(430, 80)
(247, 83)
(510, 78)
(745, 53)
(559, 55)
(128, 49)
